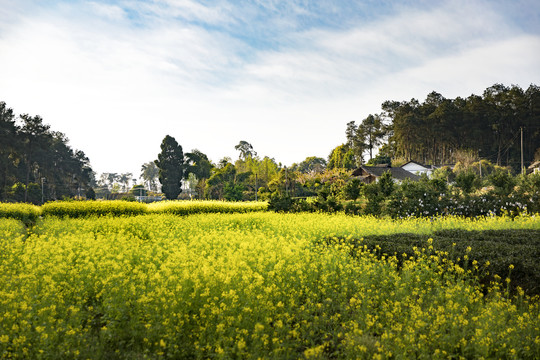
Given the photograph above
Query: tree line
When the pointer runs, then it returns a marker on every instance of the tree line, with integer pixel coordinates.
(37, 163)
(436, 130)
(226, 180)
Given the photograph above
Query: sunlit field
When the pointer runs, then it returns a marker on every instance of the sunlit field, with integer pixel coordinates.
(253, 285)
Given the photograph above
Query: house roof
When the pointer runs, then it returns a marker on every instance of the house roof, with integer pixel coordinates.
(397, 172)
(417, 163)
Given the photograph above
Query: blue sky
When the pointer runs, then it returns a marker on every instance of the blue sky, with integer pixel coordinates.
(286, 76)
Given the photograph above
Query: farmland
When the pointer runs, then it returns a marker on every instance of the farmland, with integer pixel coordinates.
(262, 285)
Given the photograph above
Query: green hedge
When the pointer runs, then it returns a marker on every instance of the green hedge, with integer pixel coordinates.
(75, 209)
(27, 213)
(205, 207)
(498, 248)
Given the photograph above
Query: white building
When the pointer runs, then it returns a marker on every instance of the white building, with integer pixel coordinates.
(417, 168)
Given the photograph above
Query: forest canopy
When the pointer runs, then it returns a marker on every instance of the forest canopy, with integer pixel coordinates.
(37, 163)
(433, 131)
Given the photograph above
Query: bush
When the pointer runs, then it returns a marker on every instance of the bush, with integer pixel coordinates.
(427, 197)
(204, 207)
(498, 248)
(90, 194)
(502, 182)
(76, 209)
(26, 213)
(353, 189)
(16, 193)
(467, 181)
(280, 202)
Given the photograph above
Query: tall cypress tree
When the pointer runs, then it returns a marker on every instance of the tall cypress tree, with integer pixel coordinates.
(171, 167)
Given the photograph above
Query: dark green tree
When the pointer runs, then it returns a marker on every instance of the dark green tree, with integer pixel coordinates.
(311, 164)
(198, 164)
(386, 184)
(372, 131)
(355, 142)
(245, 149)
(352, 189)
(8, 150)
(36, 140)
(171, 167)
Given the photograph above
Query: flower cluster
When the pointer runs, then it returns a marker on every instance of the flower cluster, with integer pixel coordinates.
(257, 285)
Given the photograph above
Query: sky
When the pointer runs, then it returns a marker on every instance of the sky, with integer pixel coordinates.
(284, 75)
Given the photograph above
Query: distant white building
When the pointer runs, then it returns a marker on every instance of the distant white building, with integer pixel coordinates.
(369, 174)
(417, 168)
(534, 168)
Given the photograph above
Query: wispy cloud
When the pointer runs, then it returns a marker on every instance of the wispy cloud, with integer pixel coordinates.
(285, 75)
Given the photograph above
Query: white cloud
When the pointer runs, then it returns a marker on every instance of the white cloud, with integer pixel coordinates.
(116, 89)
(111, 12)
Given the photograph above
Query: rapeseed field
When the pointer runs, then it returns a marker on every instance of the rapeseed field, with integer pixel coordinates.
(249, 286)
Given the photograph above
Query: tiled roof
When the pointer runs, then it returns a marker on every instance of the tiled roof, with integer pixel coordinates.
(397, 172)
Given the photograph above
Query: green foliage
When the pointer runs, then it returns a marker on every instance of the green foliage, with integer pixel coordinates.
(386, 184)
(233, 192)
(138, 190)
(311, 164)
(498, 248)
(31, 153)
(467, 181)
(280, 202)
(226, 183)
(353, 189)
(150, 174)
(26, 213)
(502, 181)
(436, 130)
(528, 192)
(372, 130)
(245, 149)
(427, 197)
(19, 191)
(171, 167)
(444, 174)
(380, 159)
(374, 199)
(342, 157)
(90, 194)
(81, 209)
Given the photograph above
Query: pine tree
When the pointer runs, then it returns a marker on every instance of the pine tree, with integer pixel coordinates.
(171, 167)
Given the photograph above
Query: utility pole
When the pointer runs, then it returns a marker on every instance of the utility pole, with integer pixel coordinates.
(42, 196)
(480, 166)
(522, 165)
(286, 182)
(480, 163)
(256, 187)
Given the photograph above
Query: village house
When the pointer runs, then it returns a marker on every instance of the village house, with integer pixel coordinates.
(369, 174)
(417, 168)
(534, 168)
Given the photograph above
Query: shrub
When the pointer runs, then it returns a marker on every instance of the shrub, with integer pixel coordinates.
(502, 182)
(467, 181)
(26, 213)
(76, 209)
(280, 202)
(181, 207)
(498, 248)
